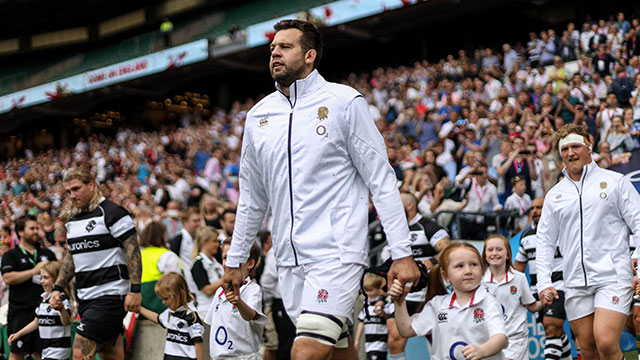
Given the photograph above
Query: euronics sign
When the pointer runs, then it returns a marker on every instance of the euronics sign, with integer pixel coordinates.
(127, 70)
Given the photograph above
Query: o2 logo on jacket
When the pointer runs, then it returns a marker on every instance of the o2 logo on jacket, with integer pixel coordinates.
(453, 350)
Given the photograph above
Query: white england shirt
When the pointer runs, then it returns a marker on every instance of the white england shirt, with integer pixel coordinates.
(512, 293)
(453, 327)
(231, 335)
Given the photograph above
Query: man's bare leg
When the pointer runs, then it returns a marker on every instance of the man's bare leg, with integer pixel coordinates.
(309, 349)
(83, 348)
(113, 352)
(607, 329)
(583, 329)
(348, 353)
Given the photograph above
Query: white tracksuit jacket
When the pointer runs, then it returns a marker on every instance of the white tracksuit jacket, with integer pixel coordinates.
(590, 220)
(314, 157)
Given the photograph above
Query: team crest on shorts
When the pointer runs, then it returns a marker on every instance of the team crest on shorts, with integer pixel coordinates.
(478, 315)
(513, 289)
(323, 295)
(615, 300)
(235, 309)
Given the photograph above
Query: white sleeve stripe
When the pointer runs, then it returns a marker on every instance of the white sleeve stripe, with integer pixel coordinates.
(439, 235)
(121, 226)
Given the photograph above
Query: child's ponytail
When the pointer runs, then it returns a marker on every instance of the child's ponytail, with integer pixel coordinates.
(436, 285)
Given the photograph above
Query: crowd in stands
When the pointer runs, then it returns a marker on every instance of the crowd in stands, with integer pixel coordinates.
(473, 132)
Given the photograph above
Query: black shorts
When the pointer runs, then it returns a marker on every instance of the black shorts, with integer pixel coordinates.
(555, 310)
(101, 320)
(376, 355)
(26, 344)
(413, 306)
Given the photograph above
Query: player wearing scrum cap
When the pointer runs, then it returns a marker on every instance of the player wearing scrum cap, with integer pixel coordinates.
(588, 215)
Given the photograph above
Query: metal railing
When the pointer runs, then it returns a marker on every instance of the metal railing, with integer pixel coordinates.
(501, 222)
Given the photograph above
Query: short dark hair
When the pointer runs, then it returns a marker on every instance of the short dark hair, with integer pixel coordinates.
(21, 223)
(311, 38)
(227, 211)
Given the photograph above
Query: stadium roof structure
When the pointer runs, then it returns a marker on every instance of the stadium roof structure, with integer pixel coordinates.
(410, 33)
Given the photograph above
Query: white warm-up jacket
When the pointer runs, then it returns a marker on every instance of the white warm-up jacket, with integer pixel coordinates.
(314, 157)
(590, 220)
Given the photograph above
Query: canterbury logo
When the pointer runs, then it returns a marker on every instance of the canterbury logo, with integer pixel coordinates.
(442, 317)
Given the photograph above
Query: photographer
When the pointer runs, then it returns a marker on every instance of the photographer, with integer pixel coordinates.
(618, 137)
(482, 196)
(519, 163)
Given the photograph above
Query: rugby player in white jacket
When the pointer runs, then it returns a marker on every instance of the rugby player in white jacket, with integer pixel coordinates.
(312, 153)
(589, 215)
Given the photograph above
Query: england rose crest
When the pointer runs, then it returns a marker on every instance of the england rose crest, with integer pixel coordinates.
(615, 300)
(323, 295)
(514, 290)
(478, 315)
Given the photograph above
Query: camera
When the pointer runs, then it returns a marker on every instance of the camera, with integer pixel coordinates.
(525, 152)
(477, 172)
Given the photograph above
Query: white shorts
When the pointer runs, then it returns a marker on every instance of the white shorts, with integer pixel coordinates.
(326, 286)
(518, 348)
(582, 301)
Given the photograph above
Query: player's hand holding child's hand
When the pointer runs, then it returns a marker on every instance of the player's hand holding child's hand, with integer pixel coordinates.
(396, 291)
(232, 297)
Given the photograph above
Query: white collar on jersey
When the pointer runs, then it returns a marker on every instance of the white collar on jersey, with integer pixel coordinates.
(478, 296)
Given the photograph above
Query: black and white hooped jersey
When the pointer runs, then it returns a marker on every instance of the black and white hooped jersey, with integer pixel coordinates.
(184, 329)
(527, 253)
(55, 337)
(95, 241)
(375, 327)
(425, 234)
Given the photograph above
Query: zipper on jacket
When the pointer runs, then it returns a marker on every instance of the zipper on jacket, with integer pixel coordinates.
(295, 87)
(584, 270)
